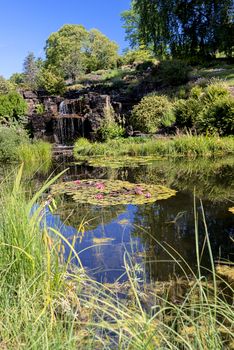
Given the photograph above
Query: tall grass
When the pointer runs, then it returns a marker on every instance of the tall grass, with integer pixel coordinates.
(45, 305)
(189, 146)
(35, 155)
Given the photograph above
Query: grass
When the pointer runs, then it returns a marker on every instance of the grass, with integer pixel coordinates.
(189, 146)
(36, 155)
(46, 305)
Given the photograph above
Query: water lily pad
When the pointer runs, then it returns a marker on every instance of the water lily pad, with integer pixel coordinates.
(107, 192)
(122, 162)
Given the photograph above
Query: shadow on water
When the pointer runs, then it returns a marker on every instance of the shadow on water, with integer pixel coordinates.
(141, 229)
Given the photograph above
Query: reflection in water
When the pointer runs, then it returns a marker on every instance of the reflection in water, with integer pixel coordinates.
(142, 230)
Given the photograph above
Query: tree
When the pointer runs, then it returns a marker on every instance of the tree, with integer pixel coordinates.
(73, 50)
(101, 53)
(182, 28)
(31, 68)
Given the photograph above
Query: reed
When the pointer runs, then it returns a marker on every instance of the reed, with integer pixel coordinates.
(189, 146)
(47, 304)
(36, 155)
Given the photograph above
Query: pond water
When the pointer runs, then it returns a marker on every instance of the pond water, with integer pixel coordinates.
(148, 236)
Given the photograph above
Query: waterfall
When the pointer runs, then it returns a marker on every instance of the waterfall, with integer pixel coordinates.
(63, 108)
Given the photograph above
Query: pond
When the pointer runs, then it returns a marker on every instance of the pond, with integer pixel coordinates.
(153, 238)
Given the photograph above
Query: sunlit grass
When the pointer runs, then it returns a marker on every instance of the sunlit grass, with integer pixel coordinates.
(189, 146)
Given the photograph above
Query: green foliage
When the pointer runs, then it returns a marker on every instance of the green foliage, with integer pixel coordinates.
(73, 50)
(101, 53)
(12, 105)
(10, 140)
(189, 146)
(182, 29)
(187, 112)
(172, 72)
(109, 128)
(216, 89)
(137, 56)
(217, 117)
(40, 108)
(51, 81)
(17, 79)
(35, 155)
(5, 86)
(32, 66)
(208, 109)
(151, 113)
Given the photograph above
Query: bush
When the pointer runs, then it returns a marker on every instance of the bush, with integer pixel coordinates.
(13, 105)
(151, 113)
(109, 128)
(173, 72)
(40, 109)
(10, 140)
(208, 109)
(216, 89)
(51, 81)
(217, 117)
(187, 112)
(5, 86)
(137, 56)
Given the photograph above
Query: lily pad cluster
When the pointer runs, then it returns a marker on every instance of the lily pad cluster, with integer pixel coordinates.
(108, 192)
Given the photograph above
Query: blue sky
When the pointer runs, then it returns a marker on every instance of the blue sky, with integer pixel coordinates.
(26, 24)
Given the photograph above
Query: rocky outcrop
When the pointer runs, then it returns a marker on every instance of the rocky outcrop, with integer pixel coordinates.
(64, 119)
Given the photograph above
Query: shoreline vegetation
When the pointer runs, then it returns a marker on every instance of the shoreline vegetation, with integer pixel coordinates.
(48, 303)
(189, 146)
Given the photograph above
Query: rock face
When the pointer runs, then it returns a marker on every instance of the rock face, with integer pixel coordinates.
(62, 120)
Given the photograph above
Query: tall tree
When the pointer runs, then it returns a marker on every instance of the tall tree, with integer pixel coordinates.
(31, 68)
(182, 27)
(73, 50)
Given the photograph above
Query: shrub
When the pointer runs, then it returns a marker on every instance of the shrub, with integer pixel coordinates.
(137, 56)
(173, 72)
(40, 108)
(13, 105)
(10, 140)
(217, 117)
(5, 86)
(151, 113)
(215, 90)
(51, 81)
(187, 111)
(109, 128)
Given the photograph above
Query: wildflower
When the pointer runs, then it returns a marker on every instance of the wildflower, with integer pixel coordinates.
(148, 195)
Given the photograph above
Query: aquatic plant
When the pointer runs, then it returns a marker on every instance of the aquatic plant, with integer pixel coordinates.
(109, 192)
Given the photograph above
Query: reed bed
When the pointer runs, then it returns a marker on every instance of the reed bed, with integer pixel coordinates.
(189, 146)
(46, 303)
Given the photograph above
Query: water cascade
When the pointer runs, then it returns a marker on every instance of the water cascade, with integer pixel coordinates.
(68, 125)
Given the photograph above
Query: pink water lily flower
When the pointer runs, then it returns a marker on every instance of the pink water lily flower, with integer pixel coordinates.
(77, 182)
(138, 190)
(100, 186)
(148, 195)
(99, 196)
